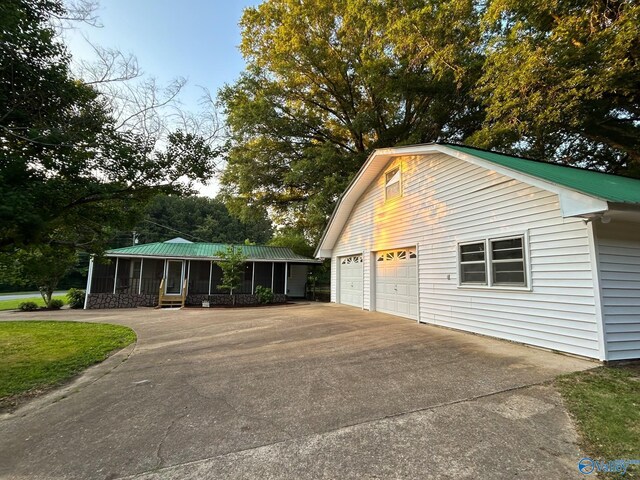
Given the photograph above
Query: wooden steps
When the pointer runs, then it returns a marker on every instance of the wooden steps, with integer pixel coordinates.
(172, 301)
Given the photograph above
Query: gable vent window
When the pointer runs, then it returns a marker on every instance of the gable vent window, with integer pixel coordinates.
(392, 187)
(493, 262)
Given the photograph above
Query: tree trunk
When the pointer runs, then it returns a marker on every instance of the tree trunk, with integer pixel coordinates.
(47, 293)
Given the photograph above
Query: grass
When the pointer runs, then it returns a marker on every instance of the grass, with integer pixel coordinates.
(37, 355)
(605, 403)
(13, 304)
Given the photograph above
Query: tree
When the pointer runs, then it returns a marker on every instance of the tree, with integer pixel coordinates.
(44, 266)
(69, 176)
(296, 241)
(328, 81)
(232, 265)
(199, 219)
(562, 82)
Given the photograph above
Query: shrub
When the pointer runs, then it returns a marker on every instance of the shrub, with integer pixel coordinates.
(56, 304)
(75, 297)
(28, 306)
(264, 295)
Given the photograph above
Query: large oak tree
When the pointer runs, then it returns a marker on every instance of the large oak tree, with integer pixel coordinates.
(327, 81)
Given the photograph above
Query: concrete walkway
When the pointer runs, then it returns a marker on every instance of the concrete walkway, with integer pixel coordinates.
(302, 391)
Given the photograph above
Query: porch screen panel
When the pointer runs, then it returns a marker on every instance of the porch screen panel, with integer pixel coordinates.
(152, 271)
(246, 283)
(199, 277)
(103, 276)
(216, 279)
(278, 278)
(263, 274)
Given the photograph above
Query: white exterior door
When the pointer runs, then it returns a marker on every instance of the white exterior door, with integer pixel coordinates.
(351, 280)
(396, 282)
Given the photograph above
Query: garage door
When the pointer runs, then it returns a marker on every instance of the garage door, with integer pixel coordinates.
(351, 280)
(396, 282)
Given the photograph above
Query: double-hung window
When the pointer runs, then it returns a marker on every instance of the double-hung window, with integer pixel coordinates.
(473, 263)
(493, 262)
(507, 262)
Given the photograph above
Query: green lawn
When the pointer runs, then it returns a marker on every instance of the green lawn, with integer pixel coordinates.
(13, 304)
(36, 355)
(605, 403)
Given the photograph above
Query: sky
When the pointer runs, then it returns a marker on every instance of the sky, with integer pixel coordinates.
(195, 39)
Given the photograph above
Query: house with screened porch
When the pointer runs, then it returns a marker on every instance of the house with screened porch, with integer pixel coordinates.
(182, 273)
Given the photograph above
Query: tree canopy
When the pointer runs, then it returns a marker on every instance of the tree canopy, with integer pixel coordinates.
(561, 82)
(327, 81)
(200, 219)
(68, 175)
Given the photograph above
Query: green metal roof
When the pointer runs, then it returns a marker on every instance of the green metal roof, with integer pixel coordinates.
(208, 251)
(612, 188)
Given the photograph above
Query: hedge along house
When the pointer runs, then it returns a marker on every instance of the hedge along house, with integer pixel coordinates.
(527, 251)
(178, 272)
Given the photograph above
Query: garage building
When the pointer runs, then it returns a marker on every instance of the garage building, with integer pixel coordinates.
(528, 251)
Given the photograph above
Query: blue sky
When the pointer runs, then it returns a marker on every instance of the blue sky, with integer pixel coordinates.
(196, 39)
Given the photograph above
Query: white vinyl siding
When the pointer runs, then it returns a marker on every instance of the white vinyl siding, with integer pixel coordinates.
(447, 201)
(618, 246)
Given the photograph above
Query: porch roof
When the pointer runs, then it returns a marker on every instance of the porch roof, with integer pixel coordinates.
(208, 251)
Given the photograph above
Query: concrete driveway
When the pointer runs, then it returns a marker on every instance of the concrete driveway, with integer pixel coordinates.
(301, 391)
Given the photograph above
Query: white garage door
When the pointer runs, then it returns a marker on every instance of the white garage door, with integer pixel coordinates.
(351, 280)
(396, 282)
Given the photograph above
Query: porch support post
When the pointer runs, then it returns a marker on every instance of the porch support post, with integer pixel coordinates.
(210, 275)
(115, 276)
(286, 276)
(273, 268)
(89, 280)
(140, 281)
(253, 279)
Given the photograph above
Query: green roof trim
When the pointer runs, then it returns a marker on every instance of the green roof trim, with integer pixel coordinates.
(208, 251)
(612, 188)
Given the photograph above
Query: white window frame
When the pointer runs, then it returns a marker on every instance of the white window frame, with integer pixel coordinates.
(489, 285)
(492, 261)
(486, 266)
(386, 185)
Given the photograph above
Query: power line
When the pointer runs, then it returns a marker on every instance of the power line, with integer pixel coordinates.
(177, 231)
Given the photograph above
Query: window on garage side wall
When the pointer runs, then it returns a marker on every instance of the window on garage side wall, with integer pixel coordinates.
(473, 263)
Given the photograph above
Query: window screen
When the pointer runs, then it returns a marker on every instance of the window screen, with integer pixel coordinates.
(507, 261)
(473, 265)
